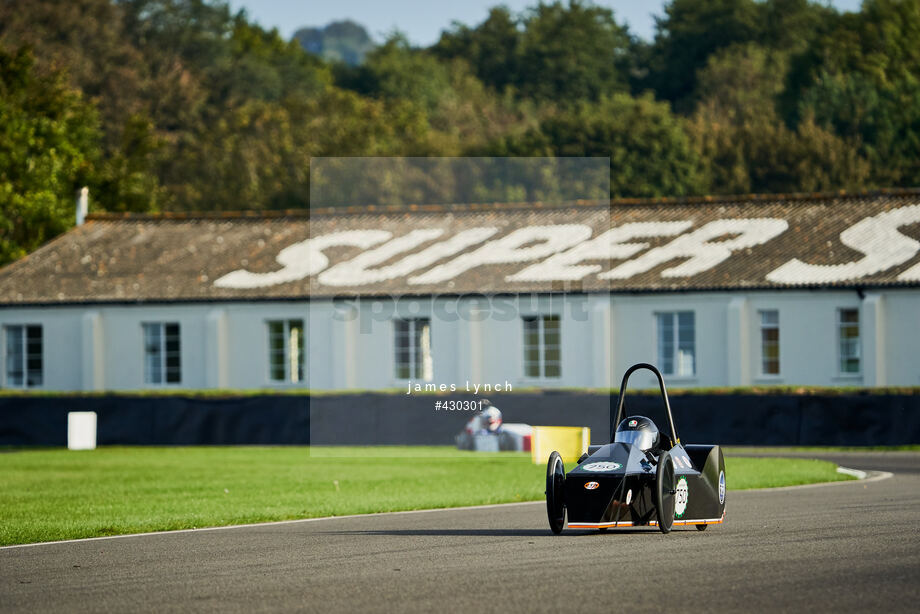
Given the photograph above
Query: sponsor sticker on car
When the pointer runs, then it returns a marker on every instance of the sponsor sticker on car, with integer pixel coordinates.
(681, 498)
(604, 466)
(591, 485)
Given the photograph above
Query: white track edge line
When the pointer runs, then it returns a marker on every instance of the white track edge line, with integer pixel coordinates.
(873, 476)
(269, 523)
(856, 473)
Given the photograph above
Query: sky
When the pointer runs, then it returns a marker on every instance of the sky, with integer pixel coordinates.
(423, 20)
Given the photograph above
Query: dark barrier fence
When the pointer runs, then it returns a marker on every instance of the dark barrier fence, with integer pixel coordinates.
(387, 419)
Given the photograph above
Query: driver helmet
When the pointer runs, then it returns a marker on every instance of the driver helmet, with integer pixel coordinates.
(491, 419)
(638, 431)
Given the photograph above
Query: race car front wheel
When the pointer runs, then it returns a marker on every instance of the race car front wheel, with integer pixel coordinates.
(555, 492)
(665, 489)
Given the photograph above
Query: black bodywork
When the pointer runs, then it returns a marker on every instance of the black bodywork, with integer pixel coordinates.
(619, 485)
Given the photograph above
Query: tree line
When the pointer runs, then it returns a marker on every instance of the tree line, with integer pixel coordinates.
(187, 105)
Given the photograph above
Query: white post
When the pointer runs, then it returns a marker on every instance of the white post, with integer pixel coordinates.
(351, 334)
(602, 342)
(475, 342)
(739, 347)
(873, 334)
(82, 205)
(93, 359)
(216, 349)
(81, 430)
(343, 354)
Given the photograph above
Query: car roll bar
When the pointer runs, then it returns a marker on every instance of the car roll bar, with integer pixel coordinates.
(621, 401)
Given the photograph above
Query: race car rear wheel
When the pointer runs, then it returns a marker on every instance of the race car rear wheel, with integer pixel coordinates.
(555, 492)
(506, 442)
(465, 441)
(665, 489)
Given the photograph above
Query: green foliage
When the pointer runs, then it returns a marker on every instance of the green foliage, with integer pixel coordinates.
(745, 144)
(693, 30)
(689, 33)
(492, 48)
(862, 80)
(48, 136)
(188, 105)
(649, 149)
(552, 52)
(571, 53)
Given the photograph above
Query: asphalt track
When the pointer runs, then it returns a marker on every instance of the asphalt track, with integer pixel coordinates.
(850, 546)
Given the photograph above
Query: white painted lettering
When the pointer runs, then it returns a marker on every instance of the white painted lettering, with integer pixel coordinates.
(514, 247)
(701, 251)
(877, 237)
(302, 259)
(358, 271)
(611, 245)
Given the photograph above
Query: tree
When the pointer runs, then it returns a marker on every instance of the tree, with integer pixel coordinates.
(552, 52)
(48, 139)
(693, 30)
(744, 144)
(98, 60)
(689, 33)
(574, 52)
(492, 48)
(649, 150)
(861, 80)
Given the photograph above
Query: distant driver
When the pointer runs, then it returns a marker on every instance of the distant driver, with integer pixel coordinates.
(489, 421)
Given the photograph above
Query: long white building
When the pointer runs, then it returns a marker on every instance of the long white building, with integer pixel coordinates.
(811, 290)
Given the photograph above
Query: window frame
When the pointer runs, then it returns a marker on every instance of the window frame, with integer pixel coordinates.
(542, 348)
(675, 344)
(286, 324)
(22, 331)
(763, 373)
(420, 365)
(839, 325)
(163, 366)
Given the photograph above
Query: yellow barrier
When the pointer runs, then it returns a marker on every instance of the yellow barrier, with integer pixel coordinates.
(570, 441)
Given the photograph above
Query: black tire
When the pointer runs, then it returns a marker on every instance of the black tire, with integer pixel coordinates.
(505, 442)
(464, 441)
(701, 527)
(665, 489)
(555, 492)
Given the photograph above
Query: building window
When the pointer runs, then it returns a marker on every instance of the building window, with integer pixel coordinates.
(24, 356)
(162, 361)
(848, 335)
(285, 351)
(677, 343)
(769, 342)
(542, 347)
(413, 349)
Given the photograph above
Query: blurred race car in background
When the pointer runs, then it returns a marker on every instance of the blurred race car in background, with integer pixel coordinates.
(487, 432)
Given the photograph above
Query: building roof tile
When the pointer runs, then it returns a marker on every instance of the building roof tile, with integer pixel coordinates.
(688, 244)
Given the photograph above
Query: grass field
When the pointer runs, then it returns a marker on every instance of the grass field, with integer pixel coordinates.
(58, 494)
(740, 450)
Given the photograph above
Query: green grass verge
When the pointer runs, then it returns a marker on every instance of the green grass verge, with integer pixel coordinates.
(54, 494)
(742, 450)
(744, 473)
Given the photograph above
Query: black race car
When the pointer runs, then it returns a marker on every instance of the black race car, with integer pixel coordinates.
(643, 477)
